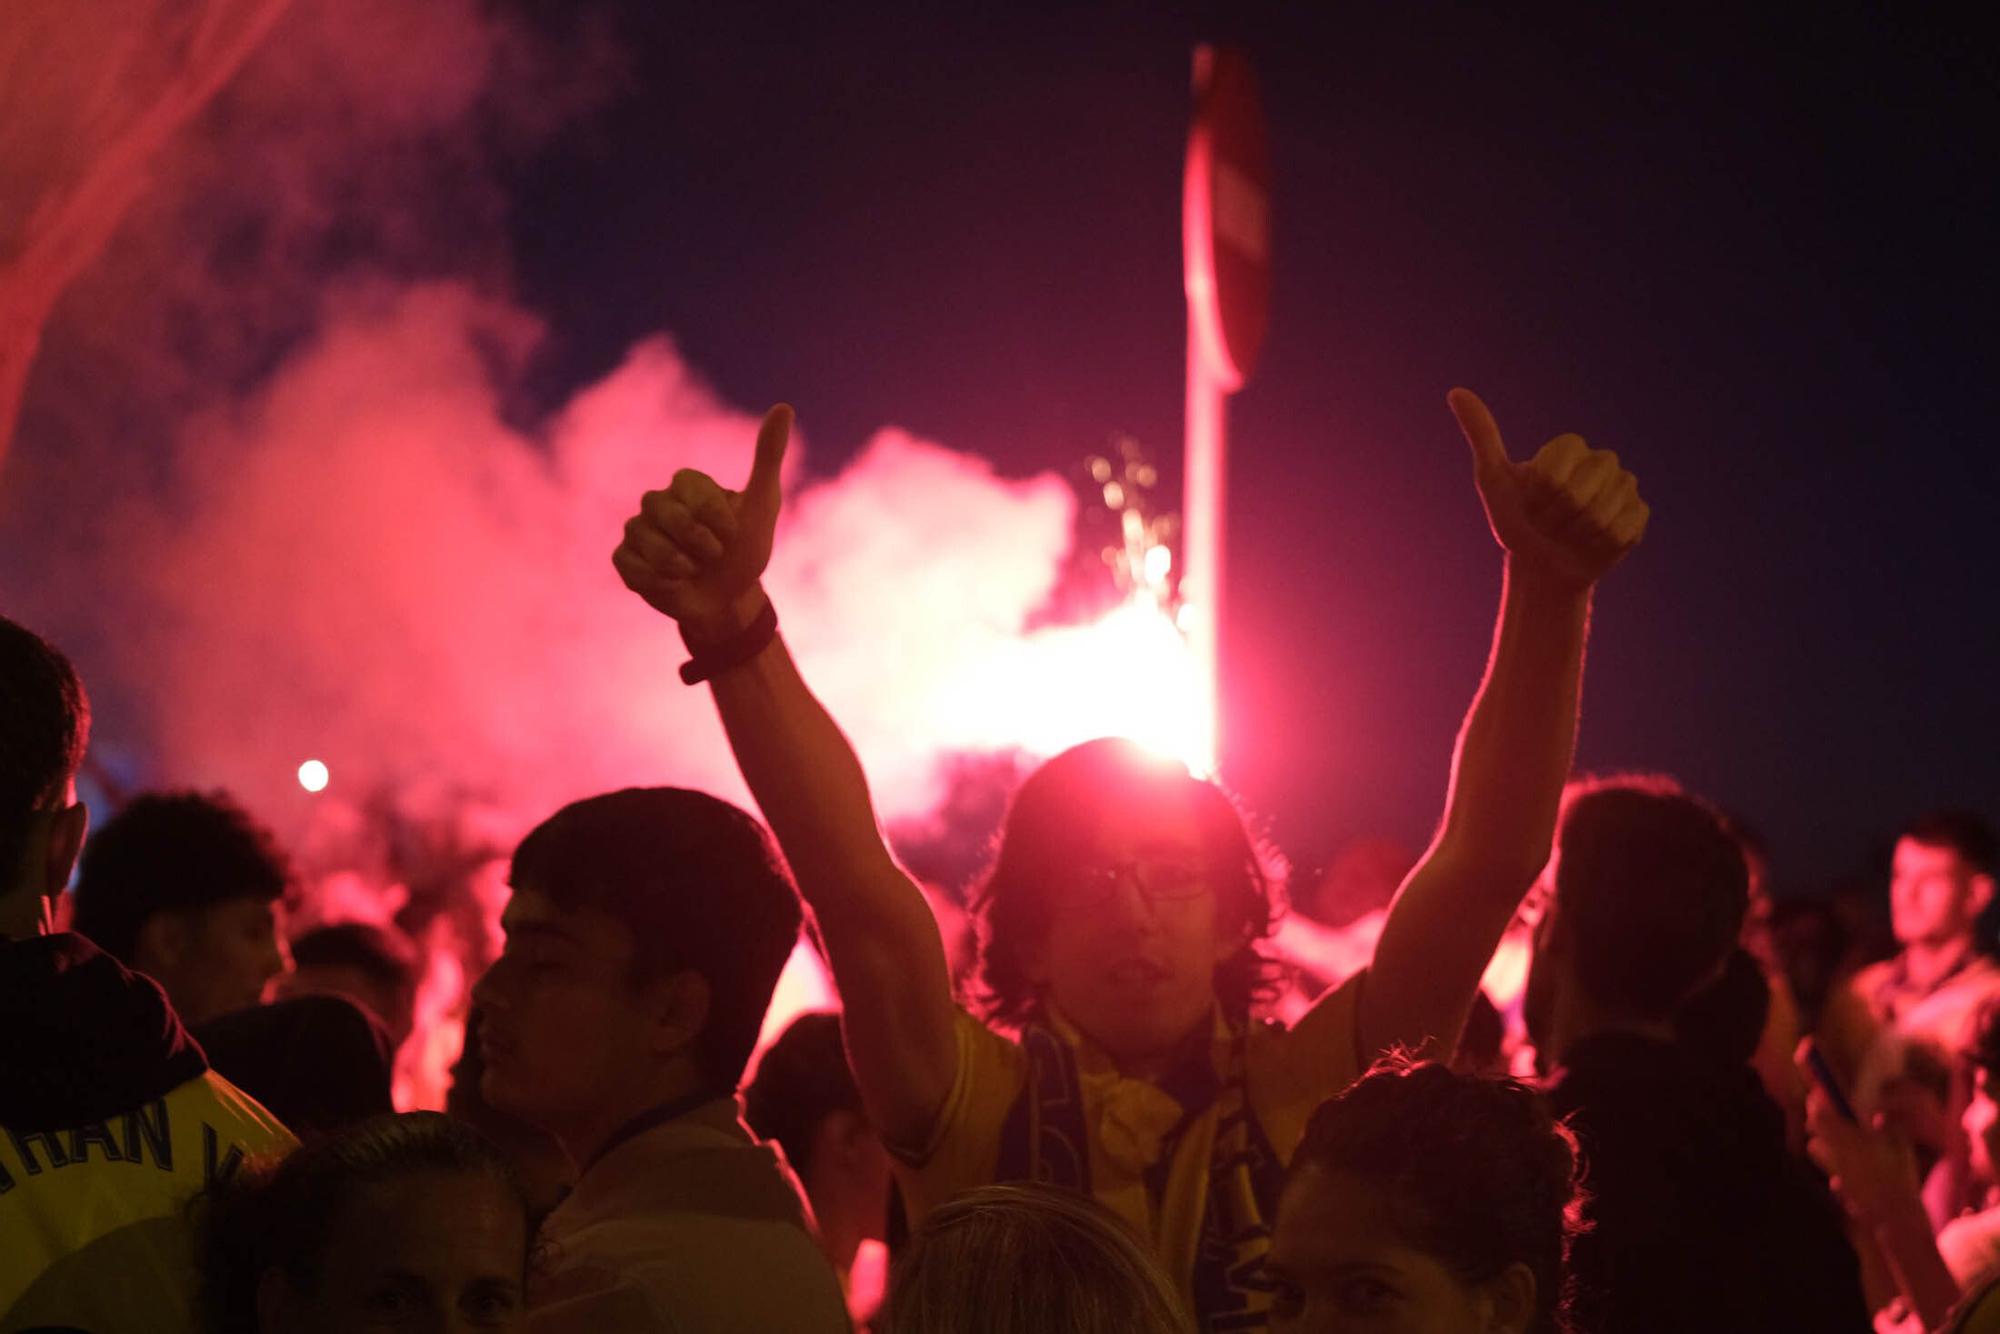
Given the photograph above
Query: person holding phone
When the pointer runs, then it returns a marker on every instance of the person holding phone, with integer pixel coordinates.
(1950, 1280)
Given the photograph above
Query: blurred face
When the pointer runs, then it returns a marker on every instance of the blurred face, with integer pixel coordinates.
(1981, 1122)
(436, 1252)
(1339, 1265)
(564, 1031)
(1933, 895)
(1133, 936)
(217, 959)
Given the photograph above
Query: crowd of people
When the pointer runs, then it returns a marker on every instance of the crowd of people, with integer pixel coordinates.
(1126, 1116)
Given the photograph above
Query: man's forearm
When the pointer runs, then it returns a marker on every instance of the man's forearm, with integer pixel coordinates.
(805, 776)
(1515, 750)
(1507, 775)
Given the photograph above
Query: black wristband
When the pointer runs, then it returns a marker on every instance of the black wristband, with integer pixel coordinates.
(713, 660)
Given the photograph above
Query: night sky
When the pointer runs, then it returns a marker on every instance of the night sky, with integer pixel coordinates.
(1751, 257)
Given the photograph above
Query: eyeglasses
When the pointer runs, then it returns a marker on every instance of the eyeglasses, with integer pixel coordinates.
(1160, 879)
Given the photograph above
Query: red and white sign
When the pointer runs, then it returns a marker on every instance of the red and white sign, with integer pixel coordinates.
(1226, 216)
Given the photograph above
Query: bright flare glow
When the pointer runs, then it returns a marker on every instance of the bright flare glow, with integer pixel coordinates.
(313, 776)
(1127, 674)
(1134, 672)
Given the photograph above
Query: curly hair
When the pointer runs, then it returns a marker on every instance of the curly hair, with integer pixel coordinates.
(1473, 1171)
(1048, 834)
(168, 850)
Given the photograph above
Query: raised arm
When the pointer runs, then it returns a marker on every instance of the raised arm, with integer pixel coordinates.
(1563, 520)
(697, 553)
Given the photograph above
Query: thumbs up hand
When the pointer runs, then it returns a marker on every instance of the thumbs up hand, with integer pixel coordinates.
(1571, 513)
(695, 551)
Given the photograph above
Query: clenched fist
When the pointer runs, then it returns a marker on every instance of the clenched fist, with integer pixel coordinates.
(696, 550)
(1571, 513)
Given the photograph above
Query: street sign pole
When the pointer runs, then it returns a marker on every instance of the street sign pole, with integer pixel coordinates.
(1226, 254)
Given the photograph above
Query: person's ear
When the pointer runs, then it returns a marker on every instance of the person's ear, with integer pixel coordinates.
(679, 1006)
(1510, 1300)
(66, 830)
(1980, 891)
(161, 944)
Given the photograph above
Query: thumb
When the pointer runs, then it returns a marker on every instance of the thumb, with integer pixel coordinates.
(1488, 450)
(762, 489)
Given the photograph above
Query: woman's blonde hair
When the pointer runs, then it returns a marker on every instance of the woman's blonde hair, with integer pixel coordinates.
(1025, 1259)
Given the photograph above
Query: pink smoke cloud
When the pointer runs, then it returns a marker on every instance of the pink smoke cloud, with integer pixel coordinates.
(275, 473)
(368, 566)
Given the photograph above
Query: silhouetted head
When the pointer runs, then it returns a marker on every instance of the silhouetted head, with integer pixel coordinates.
(374, 966)
(44, 728)
(1650, 894)
(804, 1098)
(189, 888)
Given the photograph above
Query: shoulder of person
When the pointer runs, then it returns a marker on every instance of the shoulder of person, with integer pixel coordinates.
(585, 1299)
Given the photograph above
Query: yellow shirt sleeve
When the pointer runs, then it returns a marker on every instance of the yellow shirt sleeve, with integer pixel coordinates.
(1292, 1071)
(963, 1150)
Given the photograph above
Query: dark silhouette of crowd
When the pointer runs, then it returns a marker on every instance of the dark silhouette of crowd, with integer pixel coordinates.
(1702, 1110)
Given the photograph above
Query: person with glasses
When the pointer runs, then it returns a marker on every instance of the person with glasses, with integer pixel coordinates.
(1113, 1045)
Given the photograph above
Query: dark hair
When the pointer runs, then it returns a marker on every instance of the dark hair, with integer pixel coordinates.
(279, 1213)
(1963, 832)
(1473, 1171)
(382, 955)
(802, 1079)
(317, 1063)
(168, 850)
(1048, 836)
(1651, 888)
(700, 886)
(1030, 1257)
(44, 727)
(1725, 1019)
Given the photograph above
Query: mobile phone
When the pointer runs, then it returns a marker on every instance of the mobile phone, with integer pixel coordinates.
(1822, 1074)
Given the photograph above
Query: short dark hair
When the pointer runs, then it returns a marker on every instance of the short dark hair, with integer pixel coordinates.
(279, 1213)
(382, 955)
(1651, 888)
(699, 884)
(1474, 1171)
(44, 727)
(170, 850)
(317, 1063)
(1047, 837)
(1964, 832)
(802, 1079)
